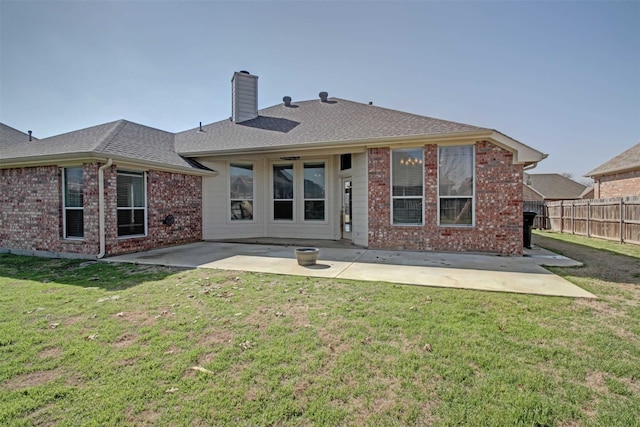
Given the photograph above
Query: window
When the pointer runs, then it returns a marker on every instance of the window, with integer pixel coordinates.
(283, 192)
(345, 161)
(132, 204)
(407, 176)
(241, 192)
(455, 185)
(314, 191)
(73, 223)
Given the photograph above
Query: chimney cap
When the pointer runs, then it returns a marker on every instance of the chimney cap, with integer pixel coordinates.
(323, 96)
(244, 72)
(287, 101)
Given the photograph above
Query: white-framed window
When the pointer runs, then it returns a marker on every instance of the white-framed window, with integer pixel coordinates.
(132, 204)
(407, 186)
(314, 191)
(456, 177)
(73, 202)
(283, 192)
(241, 191)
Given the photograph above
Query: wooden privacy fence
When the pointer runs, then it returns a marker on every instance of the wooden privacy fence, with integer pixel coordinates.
(612, 219)
(541, 221)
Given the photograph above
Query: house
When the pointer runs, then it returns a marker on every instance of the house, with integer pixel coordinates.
(618, 177)
(327, 168)
(552, 186)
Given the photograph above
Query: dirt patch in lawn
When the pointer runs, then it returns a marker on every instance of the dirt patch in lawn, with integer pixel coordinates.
(50, 353)
(32, 379)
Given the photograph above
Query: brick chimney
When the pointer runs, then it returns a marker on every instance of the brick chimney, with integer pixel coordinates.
(244, 96)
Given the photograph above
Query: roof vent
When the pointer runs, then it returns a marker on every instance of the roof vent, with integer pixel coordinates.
(323, 96)
(287, 101)
(30, 132)
(370, 102)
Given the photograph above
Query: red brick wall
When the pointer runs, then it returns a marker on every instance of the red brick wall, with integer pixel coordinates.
(167, 194)
(498, 206)
(618, 185)
(31, 211)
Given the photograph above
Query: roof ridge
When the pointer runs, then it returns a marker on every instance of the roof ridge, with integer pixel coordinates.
(110, 136)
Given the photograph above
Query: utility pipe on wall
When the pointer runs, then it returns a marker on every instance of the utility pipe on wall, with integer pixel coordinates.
(103, 244)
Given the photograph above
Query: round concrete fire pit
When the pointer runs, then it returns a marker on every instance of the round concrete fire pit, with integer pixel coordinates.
(307, 256)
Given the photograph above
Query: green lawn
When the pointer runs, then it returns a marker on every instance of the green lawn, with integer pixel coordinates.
(100, 344)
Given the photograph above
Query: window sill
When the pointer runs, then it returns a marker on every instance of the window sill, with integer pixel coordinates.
(137, 236)
(73, 240)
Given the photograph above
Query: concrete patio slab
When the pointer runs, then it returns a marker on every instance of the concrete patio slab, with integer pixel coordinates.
(464, 271)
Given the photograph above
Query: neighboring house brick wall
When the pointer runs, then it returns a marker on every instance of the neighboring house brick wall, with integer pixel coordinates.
(167, 194)
(498, 210)
(617, 185)
(31, 211)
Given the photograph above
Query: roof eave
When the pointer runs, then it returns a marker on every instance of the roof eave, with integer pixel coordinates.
(596, 174)
(523, 154)
(362, 143)
(58, 159)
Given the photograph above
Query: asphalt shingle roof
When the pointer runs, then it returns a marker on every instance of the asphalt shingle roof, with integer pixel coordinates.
(554, 186)
(121, 138)
(9, 135)
(627, 160)
(309, 122)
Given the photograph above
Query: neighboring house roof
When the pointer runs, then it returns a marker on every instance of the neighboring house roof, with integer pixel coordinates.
(553, 186)
(626, 161)
(9, 135)
(121, 140)
(309, 124)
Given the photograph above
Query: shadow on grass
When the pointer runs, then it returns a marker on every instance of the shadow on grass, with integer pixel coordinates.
(599, 263)
(87, 274)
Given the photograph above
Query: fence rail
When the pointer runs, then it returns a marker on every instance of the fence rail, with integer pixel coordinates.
(612, 219)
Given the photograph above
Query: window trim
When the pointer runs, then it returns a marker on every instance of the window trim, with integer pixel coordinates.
(144, 183)
(473, 188)
(421, 197)
(253, 194)
(65, 208)
(294, 169)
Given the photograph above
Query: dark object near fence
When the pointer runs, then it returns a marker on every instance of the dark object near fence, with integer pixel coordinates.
(528, 224)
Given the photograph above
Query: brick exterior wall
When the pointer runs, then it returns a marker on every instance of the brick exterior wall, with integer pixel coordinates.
(31, 211)
(167, 194)
(617, 185)
(498, 206)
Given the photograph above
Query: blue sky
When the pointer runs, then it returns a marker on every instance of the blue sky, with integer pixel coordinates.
(562, 77)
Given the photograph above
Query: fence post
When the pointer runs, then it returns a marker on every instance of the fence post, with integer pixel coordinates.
(621, 220)
(573, 217)
(588, 218)
(561, 216)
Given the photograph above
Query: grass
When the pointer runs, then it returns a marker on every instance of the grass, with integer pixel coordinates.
(85, 344)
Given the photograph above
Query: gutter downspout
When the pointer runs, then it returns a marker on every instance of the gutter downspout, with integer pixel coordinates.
(101, 207)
